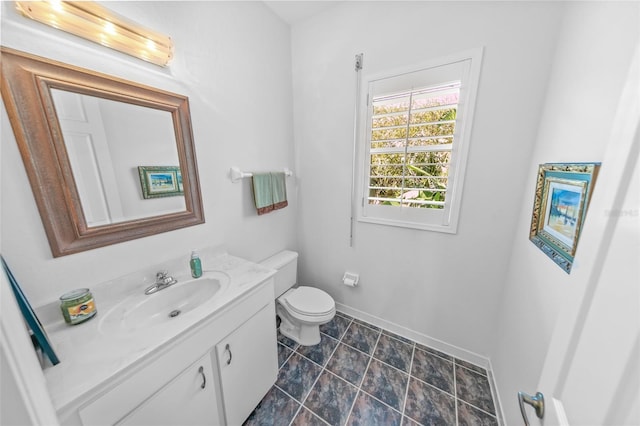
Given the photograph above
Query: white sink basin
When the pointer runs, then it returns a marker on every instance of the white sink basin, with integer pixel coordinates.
(170, 304)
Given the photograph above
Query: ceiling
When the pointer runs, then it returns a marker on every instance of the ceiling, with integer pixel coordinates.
(295, 11)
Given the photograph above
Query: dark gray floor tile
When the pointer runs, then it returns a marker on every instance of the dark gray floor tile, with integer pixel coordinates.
(349, 363)
(428, 405)
(433, 370)
(359, 321)
(283, 354)
(336, 327)
(369, 411)
(394, 352)
(297, 375)
(321, 352)
(408, 421)
(307, 418)
(361, 337)
(331, 398)
(401, 382)
(397, 336)
(286, 341)
(385, 383)
(276, 409)
(471, 416)
(434, 351)
(470, 366)
(474, 388)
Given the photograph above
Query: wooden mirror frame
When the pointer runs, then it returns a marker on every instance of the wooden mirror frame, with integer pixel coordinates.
(27, 81)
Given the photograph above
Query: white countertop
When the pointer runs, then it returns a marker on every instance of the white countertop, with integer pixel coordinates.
(90, 354)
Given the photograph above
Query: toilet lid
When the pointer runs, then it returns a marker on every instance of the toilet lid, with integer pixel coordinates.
(310, 301)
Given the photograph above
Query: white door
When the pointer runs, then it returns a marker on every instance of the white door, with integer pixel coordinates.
(591, 374)
(88, 150)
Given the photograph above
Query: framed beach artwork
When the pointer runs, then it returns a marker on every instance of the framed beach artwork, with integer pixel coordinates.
(563, 192)
(160, 181)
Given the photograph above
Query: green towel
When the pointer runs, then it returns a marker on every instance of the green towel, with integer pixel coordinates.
(279, 188)
(263, 192)
(269, 191)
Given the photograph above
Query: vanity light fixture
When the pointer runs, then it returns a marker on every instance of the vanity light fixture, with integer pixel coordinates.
(93, 22)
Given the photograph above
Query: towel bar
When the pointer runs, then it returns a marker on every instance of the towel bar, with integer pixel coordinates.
(236, 174)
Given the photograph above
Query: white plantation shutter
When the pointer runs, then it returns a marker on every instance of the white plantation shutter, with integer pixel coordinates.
(411, 139)
(416, 140)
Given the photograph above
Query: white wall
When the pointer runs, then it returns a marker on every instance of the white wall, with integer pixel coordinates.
(590, 67)
(444, 286)
(232, 59)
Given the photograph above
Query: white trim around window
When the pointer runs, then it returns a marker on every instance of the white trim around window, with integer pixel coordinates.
(459, 73)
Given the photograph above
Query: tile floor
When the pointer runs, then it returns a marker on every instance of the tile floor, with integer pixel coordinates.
(360, 374)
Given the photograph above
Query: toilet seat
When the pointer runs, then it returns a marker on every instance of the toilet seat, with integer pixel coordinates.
(309, 301)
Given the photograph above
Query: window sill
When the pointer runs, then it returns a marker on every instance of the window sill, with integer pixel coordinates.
(447, 229)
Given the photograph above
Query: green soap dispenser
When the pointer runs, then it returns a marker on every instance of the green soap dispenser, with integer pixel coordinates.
(196, 265)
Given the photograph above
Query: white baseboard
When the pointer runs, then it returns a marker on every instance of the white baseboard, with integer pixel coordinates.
(496, 395)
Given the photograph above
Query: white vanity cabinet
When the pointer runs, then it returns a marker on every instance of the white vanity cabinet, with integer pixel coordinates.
(214, 372)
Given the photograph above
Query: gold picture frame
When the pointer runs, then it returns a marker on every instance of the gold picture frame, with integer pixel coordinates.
(562, 195)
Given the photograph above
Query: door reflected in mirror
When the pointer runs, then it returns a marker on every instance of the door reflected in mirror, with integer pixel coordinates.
(106, 142)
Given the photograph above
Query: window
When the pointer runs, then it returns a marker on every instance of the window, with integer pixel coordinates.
(416, 140)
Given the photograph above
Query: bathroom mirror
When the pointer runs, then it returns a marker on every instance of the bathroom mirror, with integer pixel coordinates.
(86, 138)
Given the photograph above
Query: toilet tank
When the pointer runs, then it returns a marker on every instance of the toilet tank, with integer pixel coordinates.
(286, 263)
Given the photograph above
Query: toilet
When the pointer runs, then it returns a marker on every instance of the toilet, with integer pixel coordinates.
(302, 310)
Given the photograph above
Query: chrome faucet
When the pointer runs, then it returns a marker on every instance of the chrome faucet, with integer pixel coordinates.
(163, 280)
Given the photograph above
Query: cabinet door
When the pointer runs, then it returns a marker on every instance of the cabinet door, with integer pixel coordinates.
(189, 399)
(248, 363)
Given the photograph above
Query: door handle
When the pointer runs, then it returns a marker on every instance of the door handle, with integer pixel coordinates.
(536, 401)
(204, 378)
(228, 349)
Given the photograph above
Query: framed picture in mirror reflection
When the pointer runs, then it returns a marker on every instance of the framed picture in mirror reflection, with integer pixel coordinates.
(160, 181)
